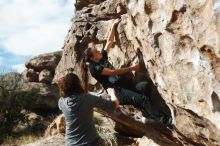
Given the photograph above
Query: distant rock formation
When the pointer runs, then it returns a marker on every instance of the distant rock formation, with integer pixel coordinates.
(39, 74)
(47, 61)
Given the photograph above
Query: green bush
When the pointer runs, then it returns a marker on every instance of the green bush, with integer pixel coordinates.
(12, 102)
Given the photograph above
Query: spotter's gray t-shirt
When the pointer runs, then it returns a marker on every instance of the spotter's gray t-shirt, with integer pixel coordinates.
(78, 113)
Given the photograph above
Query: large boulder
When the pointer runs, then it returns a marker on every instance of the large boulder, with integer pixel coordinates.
(46, 97)
(39, 75)
(144, 141)
(45, 76)
(179, 43)
(45, 61)
(58, 126)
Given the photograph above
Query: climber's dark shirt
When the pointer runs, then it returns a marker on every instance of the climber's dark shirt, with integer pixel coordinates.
(78, 113)
(96, 69)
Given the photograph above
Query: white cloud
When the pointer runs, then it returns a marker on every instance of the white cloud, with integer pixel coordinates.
(1, 61)
(18, 67)
(30, 27)
(217, 4)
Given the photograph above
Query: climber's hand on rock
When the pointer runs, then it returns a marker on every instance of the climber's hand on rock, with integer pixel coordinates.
(116, 21)
(135, 67)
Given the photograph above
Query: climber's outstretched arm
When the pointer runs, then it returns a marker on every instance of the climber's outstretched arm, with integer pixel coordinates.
(113, 72)
(111, 37)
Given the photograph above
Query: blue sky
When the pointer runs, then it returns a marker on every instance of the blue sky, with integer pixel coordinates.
(31, 27)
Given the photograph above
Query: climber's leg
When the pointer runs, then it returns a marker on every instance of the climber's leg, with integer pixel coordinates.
(128, 97)
(143, 88)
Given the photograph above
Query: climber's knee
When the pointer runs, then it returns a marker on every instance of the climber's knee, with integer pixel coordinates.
(143, 88)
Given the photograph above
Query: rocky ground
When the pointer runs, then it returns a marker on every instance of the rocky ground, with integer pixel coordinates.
(56, 140)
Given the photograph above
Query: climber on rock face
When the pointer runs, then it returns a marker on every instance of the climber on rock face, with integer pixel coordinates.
(103, 71)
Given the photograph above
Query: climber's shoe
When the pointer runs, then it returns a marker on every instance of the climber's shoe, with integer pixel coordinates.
(168, 122)
(171, 126)
(147, 120)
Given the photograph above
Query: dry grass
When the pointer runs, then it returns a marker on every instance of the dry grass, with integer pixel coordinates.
(25, 139)
(108, 138)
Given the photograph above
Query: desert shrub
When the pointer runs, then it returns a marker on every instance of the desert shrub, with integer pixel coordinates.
(13, 101)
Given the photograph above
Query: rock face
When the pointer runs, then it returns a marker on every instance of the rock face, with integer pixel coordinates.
(31, 75)
(46, 76)
(58, 126)
(47, 95)
(39, 75)
(144, 141)
(179, 42)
